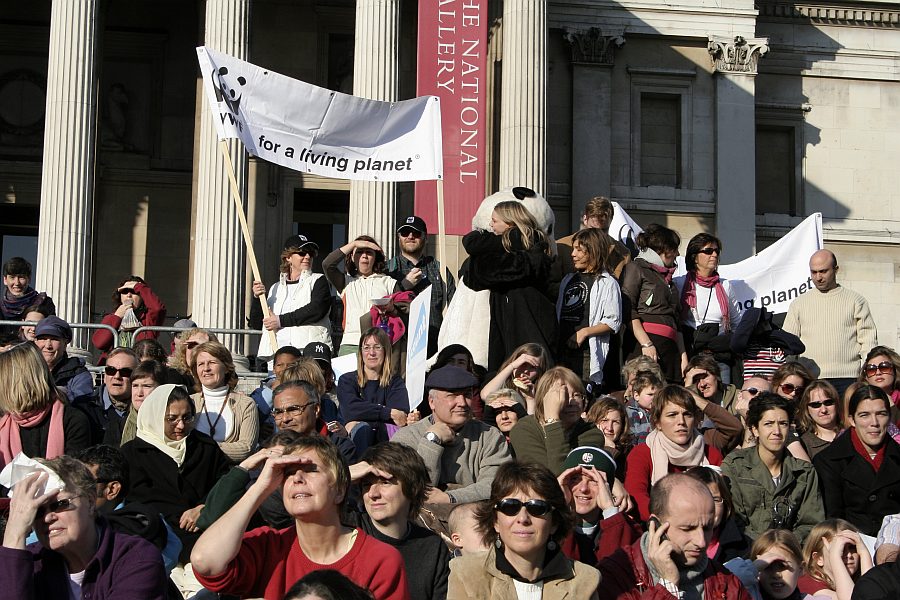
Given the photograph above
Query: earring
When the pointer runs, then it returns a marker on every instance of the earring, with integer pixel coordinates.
(498, 543)
(551, 546)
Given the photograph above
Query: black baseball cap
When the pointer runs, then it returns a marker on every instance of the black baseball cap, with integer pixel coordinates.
(301, 242)
(317, 351)
(413, 222)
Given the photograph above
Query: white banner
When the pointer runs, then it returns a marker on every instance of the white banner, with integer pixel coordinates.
(417, 347)
(773, 278)
(311, 129)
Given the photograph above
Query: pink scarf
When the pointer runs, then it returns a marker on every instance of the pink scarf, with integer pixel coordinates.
(11, 441)
(664, 452)
(666, 272)
(689, 293)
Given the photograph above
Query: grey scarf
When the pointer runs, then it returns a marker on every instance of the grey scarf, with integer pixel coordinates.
(690, 581)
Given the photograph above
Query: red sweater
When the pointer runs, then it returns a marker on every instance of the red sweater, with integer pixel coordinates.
(155, 315)
(270, 561)
(640, 466)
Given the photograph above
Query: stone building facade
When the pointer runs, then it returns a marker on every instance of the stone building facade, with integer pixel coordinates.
(731, 116)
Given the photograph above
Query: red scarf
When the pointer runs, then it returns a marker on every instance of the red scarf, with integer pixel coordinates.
(861, 450)
(11, 441)
(666, 272)
(689, 293)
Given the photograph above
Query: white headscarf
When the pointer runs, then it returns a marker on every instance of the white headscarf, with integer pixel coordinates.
(151, 424)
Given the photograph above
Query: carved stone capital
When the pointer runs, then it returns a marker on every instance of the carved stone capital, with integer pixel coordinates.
(593, 46)
(737, 55)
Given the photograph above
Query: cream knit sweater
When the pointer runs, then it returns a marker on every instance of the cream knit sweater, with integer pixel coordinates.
(836, 327)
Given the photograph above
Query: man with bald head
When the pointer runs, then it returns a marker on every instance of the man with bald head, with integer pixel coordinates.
(670, 559)
(834, 323)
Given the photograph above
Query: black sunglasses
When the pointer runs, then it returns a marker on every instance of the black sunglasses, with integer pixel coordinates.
(751, 390)
(709, 251)
(111, 371)
(56, 506)
(817, 404)
(536, 508)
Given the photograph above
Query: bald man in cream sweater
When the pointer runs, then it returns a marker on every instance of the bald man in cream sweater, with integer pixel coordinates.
(834, 323)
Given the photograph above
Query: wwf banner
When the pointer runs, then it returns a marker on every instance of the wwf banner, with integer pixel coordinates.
(314, 130)
(773, 278)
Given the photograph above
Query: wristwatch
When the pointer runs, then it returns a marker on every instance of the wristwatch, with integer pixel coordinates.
(647, 345)
(433, 438)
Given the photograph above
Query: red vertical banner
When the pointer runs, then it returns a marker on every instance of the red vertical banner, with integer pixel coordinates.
(452, 59)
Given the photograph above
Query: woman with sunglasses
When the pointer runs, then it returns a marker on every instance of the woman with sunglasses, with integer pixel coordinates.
(709, 305)
(789, 382)
(363, 281)
(172, 467)
(880, 369)
(525, 520)
(820, 416)
(374, 401)
(78, 554)
(770, 488)
(556, 427)
(134, 305)
(299, 303)
(38, 419)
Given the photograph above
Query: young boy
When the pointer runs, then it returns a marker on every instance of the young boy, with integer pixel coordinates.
(640, 403)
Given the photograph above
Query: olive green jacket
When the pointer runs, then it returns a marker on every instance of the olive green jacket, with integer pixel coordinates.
(757, 500)
(550, 444)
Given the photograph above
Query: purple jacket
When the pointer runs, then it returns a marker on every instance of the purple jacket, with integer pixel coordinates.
(124, 566)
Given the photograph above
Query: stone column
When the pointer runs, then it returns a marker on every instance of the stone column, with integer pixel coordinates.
(735, 61)
(219, 285)
(593, 53)
(376, 62)
(523, 104)
(64, 259)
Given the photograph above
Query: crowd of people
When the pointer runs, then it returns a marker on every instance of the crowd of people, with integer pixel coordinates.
(645, 438)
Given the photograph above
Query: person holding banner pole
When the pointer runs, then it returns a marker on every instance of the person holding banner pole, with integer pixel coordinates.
(299, 302)
(652, 300)
(363, 282)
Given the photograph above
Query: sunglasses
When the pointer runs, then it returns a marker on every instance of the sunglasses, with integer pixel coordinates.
(883, 368)
(293, 410)
(111, 371)
(304, 253)
(819, 404)
(56, 506)
(191, 345)
(752, 391)
(709, 251)
(536, 508)
(410, 233)
(790, 388)
(126, 291)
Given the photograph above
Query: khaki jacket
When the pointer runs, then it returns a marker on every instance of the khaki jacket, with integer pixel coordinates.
(476, 576)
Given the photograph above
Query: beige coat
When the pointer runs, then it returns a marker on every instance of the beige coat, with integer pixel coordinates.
(241, 442)
(476, 576)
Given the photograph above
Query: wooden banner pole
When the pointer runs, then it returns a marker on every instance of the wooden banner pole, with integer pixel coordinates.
(245, 229)
(442, 234)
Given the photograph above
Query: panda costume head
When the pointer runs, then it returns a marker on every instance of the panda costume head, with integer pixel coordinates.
(469, 307)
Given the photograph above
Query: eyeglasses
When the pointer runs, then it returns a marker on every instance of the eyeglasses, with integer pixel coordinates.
(124, 291)
(882, 368)
(293, 410)
(752, 391)
(186, 419)
(710, 251)
(817, 405)
(511, 507)
(410, 233)
(373, 348)
(111, 371)
(56, 506)
(790, 388)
